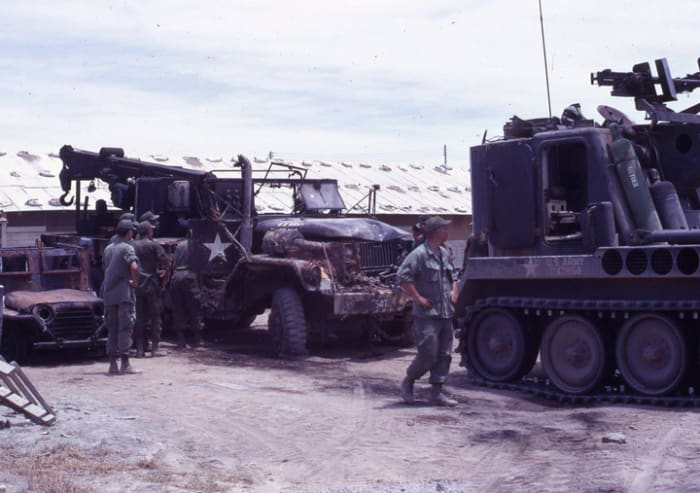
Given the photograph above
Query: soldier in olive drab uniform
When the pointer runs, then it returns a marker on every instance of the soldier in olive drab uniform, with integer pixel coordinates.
(428, 277)
(184, 289)
(127, 216)
(121, 275)
(151, 218)
(153, 262)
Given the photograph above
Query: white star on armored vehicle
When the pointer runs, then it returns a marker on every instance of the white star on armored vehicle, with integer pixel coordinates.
(217, 248)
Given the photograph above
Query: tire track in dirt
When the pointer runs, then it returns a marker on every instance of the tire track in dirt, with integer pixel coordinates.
(333, 433)
(651, 463)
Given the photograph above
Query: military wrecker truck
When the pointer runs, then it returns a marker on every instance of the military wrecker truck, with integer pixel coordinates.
(316, 270)
(586, 249)
(48, 301)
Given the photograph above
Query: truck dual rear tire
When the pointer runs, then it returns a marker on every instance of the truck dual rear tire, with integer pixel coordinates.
(287, 323)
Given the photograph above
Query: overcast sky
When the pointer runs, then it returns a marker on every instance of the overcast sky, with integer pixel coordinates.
(360, 80)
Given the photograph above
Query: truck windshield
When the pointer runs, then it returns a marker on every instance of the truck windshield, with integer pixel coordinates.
(320, 196)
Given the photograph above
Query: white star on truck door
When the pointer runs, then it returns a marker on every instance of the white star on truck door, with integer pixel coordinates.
(217, 248)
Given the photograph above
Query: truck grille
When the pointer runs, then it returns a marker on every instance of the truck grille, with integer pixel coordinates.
(379, 256)
(74, 324)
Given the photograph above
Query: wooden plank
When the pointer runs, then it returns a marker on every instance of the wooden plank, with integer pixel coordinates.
(36, 396)
(17, 392)
(6, 368)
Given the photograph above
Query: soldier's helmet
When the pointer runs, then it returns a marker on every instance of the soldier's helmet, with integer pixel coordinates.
(571, 115)
(150, 217)
(124, 226)
(144, 227)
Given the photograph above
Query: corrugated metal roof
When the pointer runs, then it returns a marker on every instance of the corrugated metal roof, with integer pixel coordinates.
(29, 182)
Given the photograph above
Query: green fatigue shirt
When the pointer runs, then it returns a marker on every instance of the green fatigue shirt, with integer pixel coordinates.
(432, 275)
(152, 256)
(182, 256)
(152, 261)
(116, 262)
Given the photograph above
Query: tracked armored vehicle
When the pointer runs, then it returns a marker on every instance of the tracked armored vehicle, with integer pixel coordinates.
(585, 249)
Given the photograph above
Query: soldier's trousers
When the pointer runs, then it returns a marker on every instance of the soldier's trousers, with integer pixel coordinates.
(434, 338)
(120, 324)
(149, 307)
(187, 309)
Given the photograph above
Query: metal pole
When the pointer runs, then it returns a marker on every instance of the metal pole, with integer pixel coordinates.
(3, 233)
(544, 53)
(444, 153)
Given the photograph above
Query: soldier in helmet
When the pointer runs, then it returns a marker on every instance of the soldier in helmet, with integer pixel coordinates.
(572, 115)
(418, 233)
(184, 289)
(151, 218)
(127, 216)
(153, 269)
(428, 276)
(121, 275)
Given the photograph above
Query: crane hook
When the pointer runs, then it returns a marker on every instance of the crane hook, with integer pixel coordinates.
(65, 202)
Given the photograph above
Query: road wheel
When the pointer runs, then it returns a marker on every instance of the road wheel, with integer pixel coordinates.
(573, 354)
(498, 347)
(287, 323)
(651, 354)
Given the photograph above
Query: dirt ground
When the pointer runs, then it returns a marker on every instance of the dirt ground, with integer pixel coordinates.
(231, 418)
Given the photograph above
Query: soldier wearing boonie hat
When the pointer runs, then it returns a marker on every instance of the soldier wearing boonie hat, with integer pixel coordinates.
(428, 277)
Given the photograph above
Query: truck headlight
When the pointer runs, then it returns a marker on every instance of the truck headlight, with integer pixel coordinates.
(44, 313)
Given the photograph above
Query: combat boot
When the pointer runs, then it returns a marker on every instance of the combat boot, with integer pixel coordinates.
(155, 342)
(113, 368)
(437, 398)
(407, 390)
(126, 368)
(140, 353)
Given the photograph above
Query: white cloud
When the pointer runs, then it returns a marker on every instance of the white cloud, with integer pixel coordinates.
(371, 80)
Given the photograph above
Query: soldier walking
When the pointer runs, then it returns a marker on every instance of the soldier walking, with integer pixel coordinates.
(428, 277)
(121, 275)
(184, 288)
(153, 262)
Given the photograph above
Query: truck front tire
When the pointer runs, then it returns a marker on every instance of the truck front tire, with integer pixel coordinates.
(287, 323)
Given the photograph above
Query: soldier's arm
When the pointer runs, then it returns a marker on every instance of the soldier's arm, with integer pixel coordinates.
(411, 290)
(452, 272)
(133, 262)
(406, 277)
(134, 271)
(163, 262)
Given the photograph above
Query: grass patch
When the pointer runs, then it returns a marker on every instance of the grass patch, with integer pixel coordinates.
(52, 469)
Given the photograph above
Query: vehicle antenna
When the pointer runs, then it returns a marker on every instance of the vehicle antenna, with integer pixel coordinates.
(544, 53)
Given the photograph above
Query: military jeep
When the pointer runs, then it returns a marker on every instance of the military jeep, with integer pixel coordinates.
(48, 304)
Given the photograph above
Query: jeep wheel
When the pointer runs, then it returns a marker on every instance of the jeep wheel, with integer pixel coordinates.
(287, 323)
